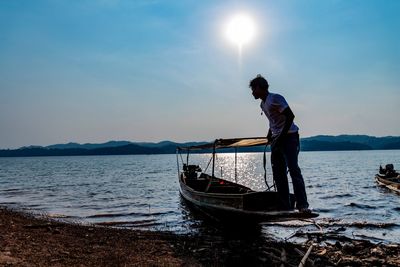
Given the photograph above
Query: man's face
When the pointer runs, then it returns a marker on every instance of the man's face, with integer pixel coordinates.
(256, 92)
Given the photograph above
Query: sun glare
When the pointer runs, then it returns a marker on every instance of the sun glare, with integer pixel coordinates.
(240, 29)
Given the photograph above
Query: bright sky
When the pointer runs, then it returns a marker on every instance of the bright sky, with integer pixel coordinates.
(148, 70)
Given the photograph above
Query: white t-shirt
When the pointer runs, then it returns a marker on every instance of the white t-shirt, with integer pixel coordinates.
(273, 107)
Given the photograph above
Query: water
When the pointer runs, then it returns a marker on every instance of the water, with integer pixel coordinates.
(142, 191)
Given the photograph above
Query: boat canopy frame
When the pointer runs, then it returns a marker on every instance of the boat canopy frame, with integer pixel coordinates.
(228, 143)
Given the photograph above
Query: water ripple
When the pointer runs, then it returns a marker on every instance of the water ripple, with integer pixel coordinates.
(336, 196)
(361, 206)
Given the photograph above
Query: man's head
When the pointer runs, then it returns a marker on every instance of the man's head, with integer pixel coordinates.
(259, 86)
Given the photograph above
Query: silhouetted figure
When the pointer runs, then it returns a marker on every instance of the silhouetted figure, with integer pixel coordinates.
(388, 171)
(285, 143)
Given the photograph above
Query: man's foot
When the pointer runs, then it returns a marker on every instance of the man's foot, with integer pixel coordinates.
(304, 210)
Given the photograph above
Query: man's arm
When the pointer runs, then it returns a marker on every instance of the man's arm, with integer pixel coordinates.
(289, 120)
(289, 117)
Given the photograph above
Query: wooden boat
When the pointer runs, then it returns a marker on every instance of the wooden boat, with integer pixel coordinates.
(228, 201)
(388, 178)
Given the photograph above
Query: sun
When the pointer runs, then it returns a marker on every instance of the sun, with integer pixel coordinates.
(240, 29)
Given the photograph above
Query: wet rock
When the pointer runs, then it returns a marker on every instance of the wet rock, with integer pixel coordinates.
(322, 252)
(377, 251)
(350, 261)
(348, 248)
(338, 245)
(372, 261)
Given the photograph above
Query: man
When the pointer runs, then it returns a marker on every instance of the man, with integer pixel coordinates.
(284, 140)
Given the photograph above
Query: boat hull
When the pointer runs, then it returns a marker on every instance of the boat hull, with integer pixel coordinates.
(392, 183)
(241, 206)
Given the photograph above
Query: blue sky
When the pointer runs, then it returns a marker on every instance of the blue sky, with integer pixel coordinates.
(93, 71)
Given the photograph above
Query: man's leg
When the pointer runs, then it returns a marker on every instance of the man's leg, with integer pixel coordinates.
(291, 151)
(280, 177)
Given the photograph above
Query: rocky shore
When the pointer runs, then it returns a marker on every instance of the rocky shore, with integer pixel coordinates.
(26, 240)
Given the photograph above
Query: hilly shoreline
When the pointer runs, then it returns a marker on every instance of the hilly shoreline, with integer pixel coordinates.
(314, 143)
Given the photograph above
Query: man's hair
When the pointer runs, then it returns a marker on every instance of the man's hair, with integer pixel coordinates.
(259, 81)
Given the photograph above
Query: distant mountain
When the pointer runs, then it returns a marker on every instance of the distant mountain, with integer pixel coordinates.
(90, 146)
(109, 148)
(315, 143)
(394, 145)
(168, 144)
(159, 144)
(350, 142)
(43, 151)
(71, 145)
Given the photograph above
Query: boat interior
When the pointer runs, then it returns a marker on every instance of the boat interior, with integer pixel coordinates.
(201, 183)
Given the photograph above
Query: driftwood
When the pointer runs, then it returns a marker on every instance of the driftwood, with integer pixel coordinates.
(321, 235)
(304, 259)
(301, 253)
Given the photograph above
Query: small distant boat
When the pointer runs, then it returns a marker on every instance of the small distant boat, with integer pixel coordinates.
(388, 177)
(226, 200)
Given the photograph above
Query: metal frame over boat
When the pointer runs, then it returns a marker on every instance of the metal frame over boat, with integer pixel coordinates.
(226, 200)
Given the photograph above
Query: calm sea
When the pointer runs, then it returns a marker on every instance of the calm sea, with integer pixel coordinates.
(142, 191)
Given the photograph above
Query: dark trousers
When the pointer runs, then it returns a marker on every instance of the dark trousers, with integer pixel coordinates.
(284, 155)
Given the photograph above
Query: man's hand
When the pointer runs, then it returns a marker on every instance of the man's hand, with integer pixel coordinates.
(269, 137)
(276, 142)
